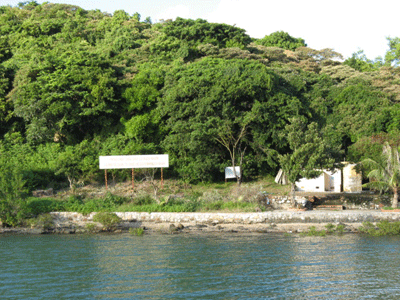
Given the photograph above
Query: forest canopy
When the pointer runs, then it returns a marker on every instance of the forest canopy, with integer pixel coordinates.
(76, 84)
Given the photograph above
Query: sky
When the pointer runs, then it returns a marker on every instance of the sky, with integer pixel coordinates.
(347, 26)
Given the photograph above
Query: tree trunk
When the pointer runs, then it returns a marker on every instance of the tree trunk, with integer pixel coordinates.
(292, 193)
(395, 200)
(71, 182)
(239, 180)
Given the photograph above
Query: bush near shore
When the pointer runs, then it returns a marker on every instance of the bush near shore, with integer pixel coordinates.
(172, 196)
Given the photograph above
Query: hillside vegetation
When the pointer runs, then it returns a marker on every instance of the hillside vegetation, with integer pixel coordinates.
(77, 84)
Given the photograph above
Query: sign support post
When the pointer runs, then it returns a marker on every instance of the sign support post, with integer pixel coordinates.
(105, 175)
(133, 178)
(162, 179)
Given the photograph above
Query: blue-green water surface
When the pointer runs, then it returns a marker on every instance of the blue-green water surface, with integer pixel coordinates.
(199, 266)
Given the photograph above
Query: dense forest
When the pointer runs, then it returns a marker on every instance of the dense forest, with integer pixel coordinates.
(77, 84)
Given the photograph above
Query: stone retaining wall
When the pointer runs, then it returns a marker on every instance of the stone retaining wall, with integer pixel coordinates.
(63, 219)
(349, 200)
(259, 222)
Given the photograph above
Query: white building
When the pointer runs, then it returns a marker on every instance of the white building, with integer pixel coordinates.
(326, 182)
(338, 181)
(352, 180)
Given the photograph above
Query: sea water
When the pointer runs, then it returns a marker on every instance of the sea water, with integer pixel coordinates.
(199, 266)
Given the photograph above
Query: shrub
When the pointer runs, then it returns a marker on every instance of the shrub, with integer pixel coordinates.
(330, 228)
(13, 212)
(107, 203)
(382, 228)
(389, 228)
(136, 231)
(340, 228)
(74, 204)
(367, 227)
(211, 197)
(107, 219)
(312, 231)
(143, 200)
(37, 206)
(43, 221)
(112, 200)
(212, 205)
(91, 227)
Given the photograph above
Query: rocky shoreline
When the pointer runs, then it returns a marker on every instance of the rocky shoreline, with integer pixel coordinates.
(260, 222)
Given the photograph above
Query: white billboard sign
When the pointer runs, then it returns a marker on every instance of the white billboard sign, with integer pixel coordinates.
(230, 174)
(134, 161)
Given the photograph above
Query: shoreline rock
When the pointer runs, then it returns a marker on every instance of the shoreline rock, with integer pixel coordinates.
(259, 222)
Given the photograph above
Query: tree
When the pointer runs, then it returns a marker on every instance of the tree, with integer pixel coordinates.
(385, 172)
(142, 123)
(387, 80)
(12, 189)
(200, 31)
(282, 40)
(359, 109)
(79, 162)
(209, 105)
(322, 55)
(69, 95)
(309, 155)
(392, 57)
(360, 62)
(234, 141)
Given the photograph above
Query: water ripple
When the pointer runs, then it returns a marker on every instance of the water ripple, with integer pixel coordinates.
(198, 267)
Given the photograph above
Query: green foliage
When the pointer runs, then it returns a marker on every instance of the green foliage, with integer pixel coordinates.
(365, 147)
(12, 212)
(147, 204)
(42, 221)
(228, 206)
(330, 229)
(385, 172)
(191, 204)
(59, 95)
(380, 229)
(12, 190)
(142, 98)
(392, 56)
(143, 200)
(199, 31)
(78, 163)
(340, 228)
(136, 231)
(360, 62)
(76, 84)
(108, 203)
(312, 231)
(310, 152)
(282, 40)
(360, 110)
(12, 184)
(212, 106)
(109, 220)
(38, 206)
(91, 227)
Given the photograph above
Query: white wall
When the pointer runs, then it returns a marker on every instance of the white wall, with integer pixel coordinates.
(327, 182)
(352, 181)
(312, 185)
(335, 181)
